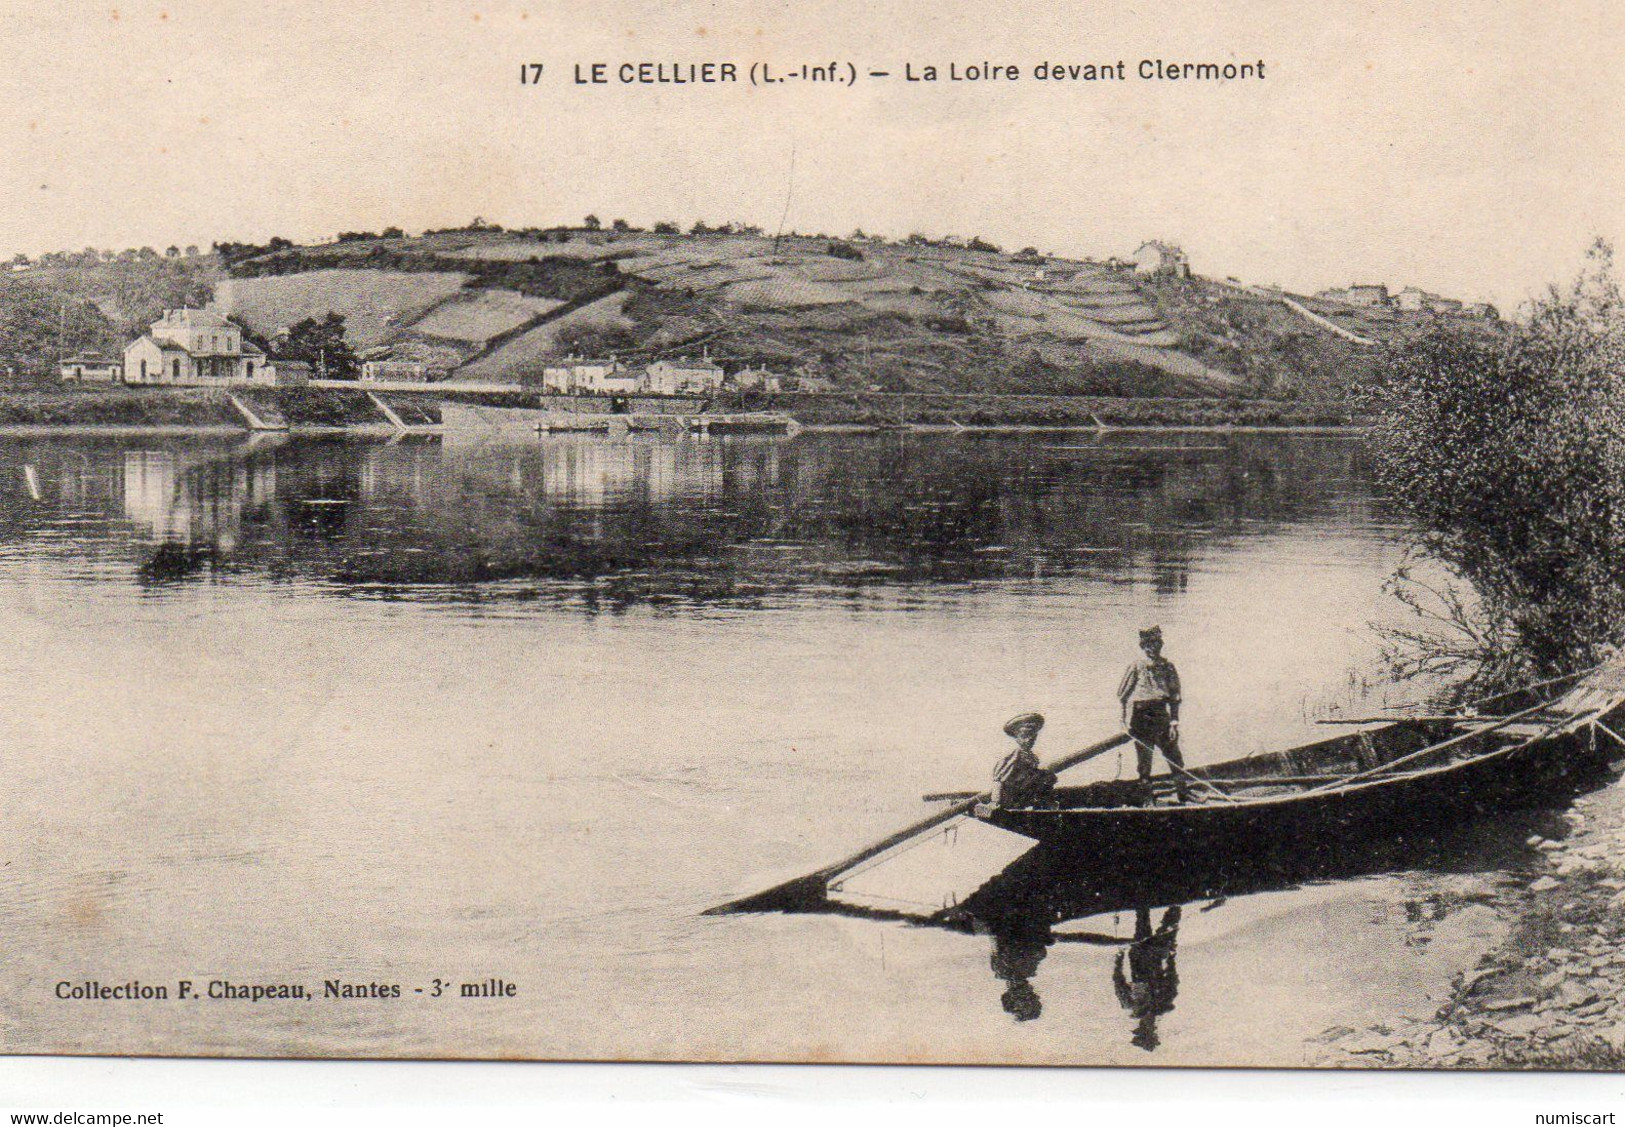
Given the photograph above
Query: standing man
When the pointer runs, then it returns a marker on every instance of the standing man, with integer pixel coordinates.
(1150, 698)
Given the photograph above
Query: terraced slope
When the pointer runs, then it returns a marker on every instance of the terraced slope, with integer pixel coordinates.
(867, 315)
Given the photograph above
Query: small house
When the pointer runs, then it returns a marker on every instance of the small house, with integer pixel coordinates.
(1159, 258)
(576, 374)
(92, 367)
(394, 371)
(684, 376)
(288, 373)
(1366, 295)
(756, 379)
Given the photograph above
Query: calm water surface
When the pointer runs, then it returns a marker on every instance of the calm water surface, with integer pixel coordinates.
(300, 710)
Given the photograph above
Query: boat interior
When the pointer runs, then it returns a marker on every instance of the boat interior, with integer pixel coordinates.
(1391, 744)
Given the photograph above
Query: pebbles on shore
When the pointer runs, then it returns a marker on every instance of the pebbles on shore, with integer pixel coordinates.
(1553, 995)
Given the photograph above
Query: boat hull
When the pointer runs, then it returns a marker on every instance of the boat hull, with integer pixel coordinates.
(1215, 835)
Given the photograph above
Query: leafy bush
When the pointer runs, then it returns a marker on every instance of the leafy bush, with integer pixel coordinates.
(1508, 454)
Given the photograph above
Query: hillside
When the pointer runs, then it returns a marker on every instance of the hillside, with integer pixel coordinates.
(917, 316)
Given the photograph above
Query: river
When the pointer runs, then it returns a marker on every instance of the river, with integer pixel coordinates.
(419, 713)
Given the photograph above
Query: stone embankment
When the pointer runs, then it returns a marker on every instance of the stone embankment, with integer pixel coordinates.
(1553, 994)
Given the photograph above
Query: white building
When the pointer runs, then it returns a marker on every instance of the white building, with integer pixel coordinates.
(92, 367)
(193, 346)
(578, 374)
(684, 376)
(1158, 257)
(287, 373)
(756, 379)
(1412, 299)
(394, 371)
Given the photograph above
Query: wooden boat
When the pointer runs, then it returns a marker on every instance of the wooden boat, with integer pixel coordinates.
(1405, 773)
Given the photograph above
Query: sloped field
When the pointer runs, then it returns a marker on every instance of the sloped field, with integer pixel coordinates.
(374, 303)
(528, 351)
(479, 315)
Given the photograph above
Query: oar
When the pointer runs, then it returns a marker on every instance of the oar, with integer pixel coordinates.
(1432, 749)
(1397, 718)
(810, 889)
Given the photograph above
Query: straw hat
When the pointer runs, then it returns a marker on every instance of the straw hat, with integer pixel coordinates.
(1026, 719)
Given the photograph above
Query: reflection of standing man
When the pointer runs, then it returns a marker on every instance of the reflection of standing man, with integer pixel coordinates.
(1150, 697)
(1149, 988)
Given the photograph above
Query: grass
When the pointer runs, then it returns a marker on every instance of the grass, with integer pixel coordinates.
(375, 303)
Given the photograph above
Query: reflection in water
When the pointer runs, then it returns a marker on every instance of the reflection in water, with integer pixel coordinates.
(612, 523)
(1024, 907)
(1147, 991)
(1018, 948)
(392, 653)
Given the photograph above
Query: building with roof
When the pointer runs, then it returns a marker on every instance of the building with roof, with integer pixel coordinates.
(1158, 257)
(394, 371)
(1363, 294)
(193, 346)
(92, 367)
(684, 376)
(580, 374)
(756, 379)
(287, 373)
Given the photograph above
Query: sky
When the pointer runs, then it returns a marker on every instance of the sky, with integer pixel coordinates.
(1472, 147)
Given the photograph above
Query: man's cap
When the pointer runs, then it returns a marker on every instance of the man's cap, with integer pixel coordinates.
(1017, 723)
(1150, 632)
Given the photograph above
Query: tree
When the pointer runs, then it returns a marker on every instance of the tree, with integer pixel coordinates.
(665, 227)
(1506, 449)
(321, 344)
(595, 340)
(392, 233)
(191, 251)
(171, 252)
(621, 225)
(592, 223)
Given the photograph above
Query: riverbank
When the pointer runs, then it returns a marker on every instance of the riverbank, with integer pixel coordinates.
(364, 408)
(1552, 995)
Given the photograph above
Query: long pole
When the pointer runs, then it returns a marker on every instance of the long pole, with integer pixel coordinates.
(1432, 749)
(813, 886)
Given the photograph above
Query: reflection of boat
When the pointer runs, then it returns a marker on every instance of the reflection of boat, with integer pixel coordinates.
(760, 422)
(1316, 800)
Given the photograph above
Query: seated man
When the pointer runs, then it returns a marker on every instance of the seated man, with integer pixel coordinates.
(1018, 780)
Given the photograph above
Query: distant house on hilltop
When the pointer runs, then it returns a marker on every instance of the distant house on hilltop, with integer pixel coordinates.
(1365, 295)
(1412, 299)
(1158, 257)
(1415, 299)
(193, 346)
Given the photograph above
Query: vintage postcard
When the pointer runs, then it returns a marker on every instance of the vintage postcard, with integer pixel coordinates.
(1041, 533)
